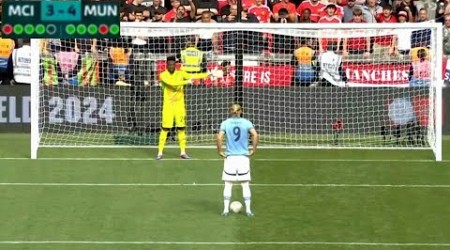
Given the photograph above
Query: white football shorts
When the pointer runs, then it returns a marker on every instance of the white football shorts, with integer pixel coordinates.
(236, 168)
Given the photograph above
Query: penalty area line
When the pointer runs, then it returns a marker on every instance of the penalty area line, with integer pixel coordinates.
(332, 185)
(218, 159)
(324, 243)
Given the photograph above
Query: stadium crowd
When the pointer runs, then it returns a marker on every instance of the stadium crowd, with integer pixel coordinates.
(92, 61)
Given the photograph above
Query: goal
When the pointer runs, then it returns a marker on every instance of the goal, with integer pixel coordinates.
(346, 86)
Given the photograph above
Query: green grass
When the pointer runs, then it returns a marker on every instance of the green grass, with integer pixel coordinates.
(191, 213)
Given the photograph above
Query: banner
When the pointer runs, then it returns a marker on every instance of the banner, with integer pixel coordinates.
(253, 76)
(446, 71)
(359, 75)
(112, 109)
(379, 75)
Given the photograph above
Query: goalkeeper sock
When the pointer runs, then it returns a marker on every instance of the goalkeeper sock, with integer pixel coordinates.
(227, 196)
(247, 195)
(182, 140)
(162, 140)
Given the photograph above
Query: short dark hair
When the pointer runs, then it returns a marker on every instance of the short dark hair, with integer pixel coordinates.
(387, 7)
(422, 54)
(283, 11)
(171, 58)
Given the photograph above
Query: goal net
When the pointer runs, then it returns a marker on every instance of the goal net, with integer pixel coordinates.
(303, 86)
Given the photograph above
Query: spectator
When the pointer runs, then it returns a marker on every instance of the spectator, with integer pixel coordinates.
(384, 45)
(90, 65)
(193, 62)
(423, 15)
(386, 16)
(157, 11)
(170, 15)
(6, 49)
(211, 6)
(305, 71)
(221, 4)
(48, 64)
(226, 10)
(315, 7)
(246, 4)
(410, 8)
(305, 17)
(330, 68)
(348, 11)
(421, 38)
(419, 75)
(338, 11)
(371, 10)
(402, 17)
(290, 7)
(206, 41)
(440, 10)
(356, 45)
(119, 54)
(131, 10)
(330, 15)
(261, 11)
(182, 16)
(21, 61)
(446, 35)
(69, 68)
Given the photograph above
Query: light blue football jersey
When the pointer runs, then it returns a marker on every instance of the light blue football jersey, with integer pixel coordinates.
(236, 130)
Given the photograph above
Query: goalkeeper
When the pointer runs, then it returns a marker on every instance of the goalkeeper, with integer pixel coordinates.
(173, 110)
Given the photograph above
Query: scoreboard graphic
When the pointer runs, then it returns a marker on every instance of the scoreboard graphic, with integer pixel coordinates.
(61, 19)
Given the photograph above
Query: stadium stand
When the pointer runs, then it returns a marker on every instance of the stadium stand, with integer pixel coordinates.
(116, 63)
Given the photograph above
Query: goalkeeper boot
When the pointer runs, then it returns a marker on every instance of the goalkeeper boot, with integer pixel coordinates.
(159, 157)
(185, 156)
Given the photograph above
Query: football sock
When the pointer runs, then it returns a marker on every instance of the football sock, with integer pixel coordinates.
(182, 140)
(247, 195)
(227, 196)
(162, 140)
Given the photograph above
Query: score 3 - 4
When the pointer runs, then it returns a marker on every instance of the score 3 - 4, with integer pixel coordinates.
(61, 19)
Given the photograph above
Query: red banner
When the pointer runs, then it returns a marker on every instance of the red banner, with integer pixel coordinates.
(393, 75)
(253, 76)
(365, 75)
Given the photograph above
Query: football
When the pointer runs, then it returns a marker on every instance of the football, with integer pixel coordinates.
(235, 206)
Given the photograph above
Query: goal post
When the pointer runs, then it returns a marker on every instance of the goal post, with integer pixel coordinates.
(381, 98)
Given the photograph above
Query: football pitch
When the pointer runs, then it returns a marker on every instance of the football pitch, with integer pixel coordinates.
(97, 199)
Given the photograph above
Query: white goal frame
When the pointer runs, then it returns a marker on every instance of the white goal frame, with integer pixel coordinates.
(436, 82)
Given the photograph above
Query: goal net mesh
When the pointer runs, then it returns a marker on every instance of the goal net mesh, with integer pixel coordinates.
(107, 92)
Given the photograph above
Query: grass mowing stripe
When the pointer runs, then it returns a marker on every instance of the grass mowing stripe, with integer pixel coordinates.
(220, 184)
(398, 244)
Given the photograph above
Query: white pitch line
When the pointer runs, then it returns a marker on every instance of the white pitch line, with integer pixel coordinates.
(334, 185)
(317, 243)
(218, 159)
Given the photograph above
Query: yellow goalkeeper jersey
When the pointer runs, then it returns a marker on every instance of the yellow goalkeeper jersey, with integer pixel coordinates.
(173, 86)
